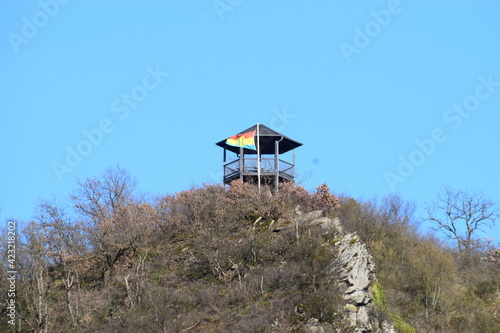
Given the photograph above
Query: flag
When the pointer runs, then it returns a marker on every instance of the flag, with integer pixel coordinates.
(245, 140)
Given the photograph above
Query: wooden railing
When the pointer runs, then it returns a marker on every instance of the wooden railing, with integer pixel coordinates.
(250, 167)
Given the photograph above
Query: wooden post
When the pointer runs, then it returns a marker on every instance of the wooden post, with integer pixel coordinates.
(293, 162)
(224, 167)
(241, 162)
(276, 164)
(258, 157)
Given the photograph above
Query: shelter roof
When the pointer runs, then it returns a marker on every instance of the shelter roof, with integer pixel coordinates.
(267, 138)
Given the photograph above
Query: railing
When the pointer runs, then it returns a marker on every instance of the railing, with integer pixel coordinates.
(250, 167)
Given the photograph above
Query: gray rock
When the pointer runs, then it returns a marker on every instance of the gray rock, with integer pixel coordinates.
(356, 274)
(357, 271)
(357, 268)
(362, 319)
(358, 297)
(328, 225)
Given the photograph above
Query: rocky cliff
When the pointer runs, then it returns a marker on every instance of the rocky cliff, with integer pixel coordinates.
(357, 275)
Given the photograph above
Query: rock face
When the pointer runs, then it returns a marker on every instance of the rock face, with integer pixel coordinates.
(356, 275)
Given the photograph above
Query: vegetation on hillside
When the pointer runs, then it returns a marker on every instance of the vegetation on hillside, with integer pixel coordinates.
(435, 287)
(231, 260)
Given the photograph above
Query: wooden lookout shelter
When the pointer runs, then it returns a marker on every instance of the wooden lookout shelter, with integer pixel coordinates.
(258, 161)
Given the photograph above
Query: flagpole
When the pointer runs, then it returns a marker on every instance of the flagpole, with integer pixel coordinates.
(258, 157)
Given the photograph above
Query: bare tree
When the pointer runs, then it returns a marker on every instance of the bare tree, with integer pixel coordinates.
(35, 282)
(461, 215)
(115, 222)
(395, 211)
(66, 247)
(100, 198)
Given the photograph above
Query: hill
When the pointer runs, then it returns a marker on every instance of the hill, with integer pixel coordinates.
(217, 259)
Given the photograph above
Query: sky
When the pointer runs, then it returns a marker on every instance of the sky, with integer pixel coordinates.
(386, 96)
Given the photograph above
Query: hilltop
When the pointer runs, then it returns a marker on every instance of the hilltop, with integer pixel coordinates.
(235, 259)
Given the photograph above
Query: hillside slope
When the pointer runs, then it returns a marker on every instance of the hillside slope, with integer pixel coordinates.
(217, 259)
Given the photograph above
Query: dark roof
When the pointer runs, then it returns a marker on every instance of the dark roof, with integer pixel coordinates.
(267, 139)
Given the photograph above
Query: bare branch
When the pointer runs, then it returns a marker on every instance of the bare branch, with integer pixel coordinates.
(461, 215)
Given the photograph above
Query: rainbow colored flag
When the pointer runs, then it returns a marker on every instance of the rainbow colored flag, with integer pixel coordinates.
(245, 140)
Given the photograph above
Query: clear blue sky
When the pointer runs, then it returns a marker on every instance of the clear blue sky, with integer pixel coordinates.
(386, 96)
